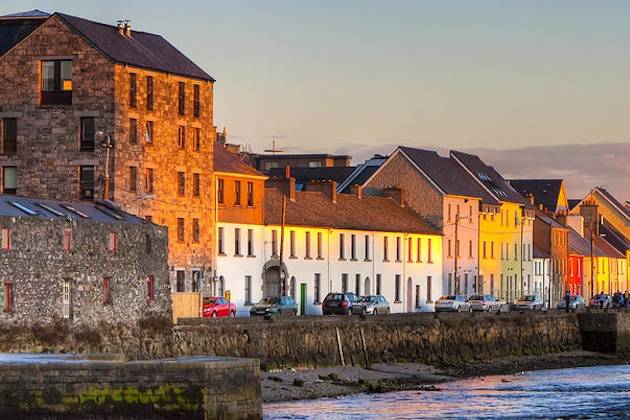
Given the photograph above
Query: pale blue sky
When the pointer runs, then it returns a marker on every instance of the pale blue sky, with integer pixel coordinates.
(362, 76)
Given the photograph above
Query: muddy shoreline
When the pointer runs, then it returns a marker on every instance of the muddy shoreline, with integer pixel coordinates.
(298, 384)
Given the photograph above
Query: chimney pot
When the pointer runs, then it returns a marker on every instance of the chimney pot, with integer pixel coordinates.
(359, 190)
(128, 28)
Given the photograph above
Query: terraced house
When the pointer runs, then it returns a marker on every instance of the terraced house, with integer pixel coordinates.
(90, 110)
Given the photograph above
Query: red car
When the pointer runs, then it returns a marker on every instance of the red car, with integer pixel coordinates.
(218, 307)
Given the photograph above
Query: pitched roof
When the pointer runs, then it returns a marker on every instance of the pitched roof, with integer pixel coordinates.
(315, 209)
(573, 202)
(449, 176)
(611, 198)
(16, 206)
(579, 245)
(15, 27)
(539, 253)
(545, 191)
(614, 237)
(548, 220)
(226, 161)
(488, 177)
(606, 249)
(33, 14)
(142, 49)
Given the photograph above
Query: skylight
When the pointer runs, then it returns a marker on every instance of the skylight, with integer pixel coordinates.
(23, 208)
(50, 209)
(75, 211)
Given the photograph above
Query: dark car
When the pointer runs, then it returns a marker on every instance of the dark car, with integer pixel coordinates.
(339, 303)
(274, 306)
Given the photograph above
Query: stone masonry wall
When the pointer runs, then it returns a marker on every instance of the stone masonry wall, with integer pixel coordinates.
(36, 266)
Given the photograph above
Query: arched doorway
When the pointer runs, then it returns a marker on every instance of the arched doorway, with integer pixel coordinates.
(367, 290)
(271, 279)
(409, 295)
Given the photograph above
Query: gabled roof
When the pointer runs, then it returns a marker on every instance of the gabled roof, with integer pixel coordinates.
(614, 237)
(548, 220)
(142, 49)
(227, 162)
(315, 209)
(16, 206)
(545, 191)
(574, 202)
(15, 27)
(539, 253)
(579, 245)
(488, 177)
(449, 176)
(607, 250)
(608, 196)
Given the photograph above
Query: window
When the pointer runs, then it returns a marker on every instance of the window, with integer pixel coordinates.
(220, 191)
(197, 139)
(307, 248)
(292, 244)
(357, 284)
(450, 249)
(106, 297)
(449, 213)
(397, 288)
(86, 182)
(378, 284)
(196, 102)
(133, 90)
(237, 193)
(181, 183)
(148, 132)
(419, 250)
(410, 249)
(429, 250)
(181, 136)
(182, 98)
(9, 136)
(237, 242)
(250, 242)
(367, 248)
(470, 249)
(133, 131)
(180, 230)
(353, 247)
(148, 180)
(483, 252)
(8, 297)
(9, 180)
(196, 232)
(274, 242)
(492, 249)
(385, 248)
(196, 185)
(342, 248)
(344, 283)
(133, 179)
(398, 249)
(221, 239)
(150, 93)
(317, 287)
(515, 252)
(56, 82)
(112, 241)
(314, 164)
(6, 239)
(319, 245)
(66, 294)
(87, 135)
(429, 286)
(250, 194)
(248, 290)
(196, 280)
(150, 288)
(67, 240)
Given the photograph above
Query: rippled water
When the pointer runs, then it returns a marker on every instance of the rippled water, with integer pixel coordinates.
(593, 392)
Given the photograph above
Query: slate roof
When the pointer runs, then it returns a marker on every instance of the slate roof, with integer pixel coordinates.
(573, 202)
(623, 209)
(539, 253)
(331, 173)
(545, 191)
(606, 248)
(226, 161)
(143, 49)
(548, 220)
(15, 27)
(16, 206)
(489, 177)
(447, 174)
(315, 209)
(579, 245)
(614, 237)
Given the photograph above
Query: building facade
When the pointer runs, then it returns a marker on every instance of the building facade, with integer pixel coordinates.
(97, 111)
(87, 262)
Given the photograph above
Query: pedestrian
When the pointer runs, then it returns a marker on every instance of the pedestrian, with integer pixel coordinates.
(625, 299)
(601, 300)
(567, 301)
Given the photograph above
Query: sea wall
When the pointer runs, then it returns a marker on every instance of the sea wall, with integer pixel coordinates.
(606, 332)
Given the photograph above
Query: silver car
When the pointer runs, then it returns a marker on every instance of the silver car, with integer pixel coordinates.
(452, 303)
(373, 304)
(486, 303)
(528, 303)
(576, 303)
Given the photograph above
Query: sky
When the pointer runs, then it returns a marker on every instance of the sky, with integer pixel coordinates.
(539, 88)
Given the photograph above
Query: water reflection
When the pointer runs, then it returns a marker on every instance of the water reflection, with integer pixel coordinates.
(594, 392)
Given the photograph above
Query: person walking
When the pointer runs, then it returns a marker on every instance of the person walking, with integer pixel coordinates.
(625, 299)
(567, 301)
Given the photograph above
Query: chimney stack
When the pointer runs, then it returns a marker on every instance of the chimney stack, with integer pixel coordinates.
(531, 198)
(589, 211)
(120, 25)
(328, 188)
(128, 28)
(359, 190)
(561, 217)
(395, 194)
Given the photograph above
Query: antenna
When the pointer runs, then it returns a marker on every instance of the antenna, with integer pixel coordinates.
(274, 149)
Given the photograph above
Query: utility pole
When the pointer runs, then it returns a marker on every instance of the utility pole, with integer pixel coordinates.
(522, 249)
(592, 260)
(108, 145)
(283, 280)
(456, 252)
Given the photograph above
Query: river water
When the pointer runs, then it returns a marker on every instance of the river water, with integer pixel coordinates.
(601, 392)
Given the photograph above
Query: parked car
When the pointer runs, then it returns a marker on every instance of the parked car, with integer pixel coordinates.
(453, 303)
(218, 307)
(575, 304)
(339, 303)
(528, 303)
(487, 303)
(274, 306)
(372, 304)
(601, 300)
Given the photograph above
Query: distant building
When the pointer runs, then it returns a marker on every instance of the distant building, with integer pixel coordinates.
(84, 261)
(266, 162)
(549, 194)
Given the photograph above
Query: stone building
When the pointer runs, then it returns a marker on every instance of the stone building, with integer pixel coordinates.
(89, 110)
(88, 262)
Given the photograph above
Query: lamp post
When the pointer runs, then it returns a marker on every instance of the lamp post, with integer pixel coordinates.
(108, 145)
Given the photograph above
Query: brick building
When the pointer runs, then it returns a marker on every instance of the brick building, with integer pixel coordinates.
(70, 86)
(88, 262)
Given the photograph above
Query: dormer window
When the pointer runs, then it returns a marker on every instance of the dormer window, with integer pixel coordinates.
(56, 82)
